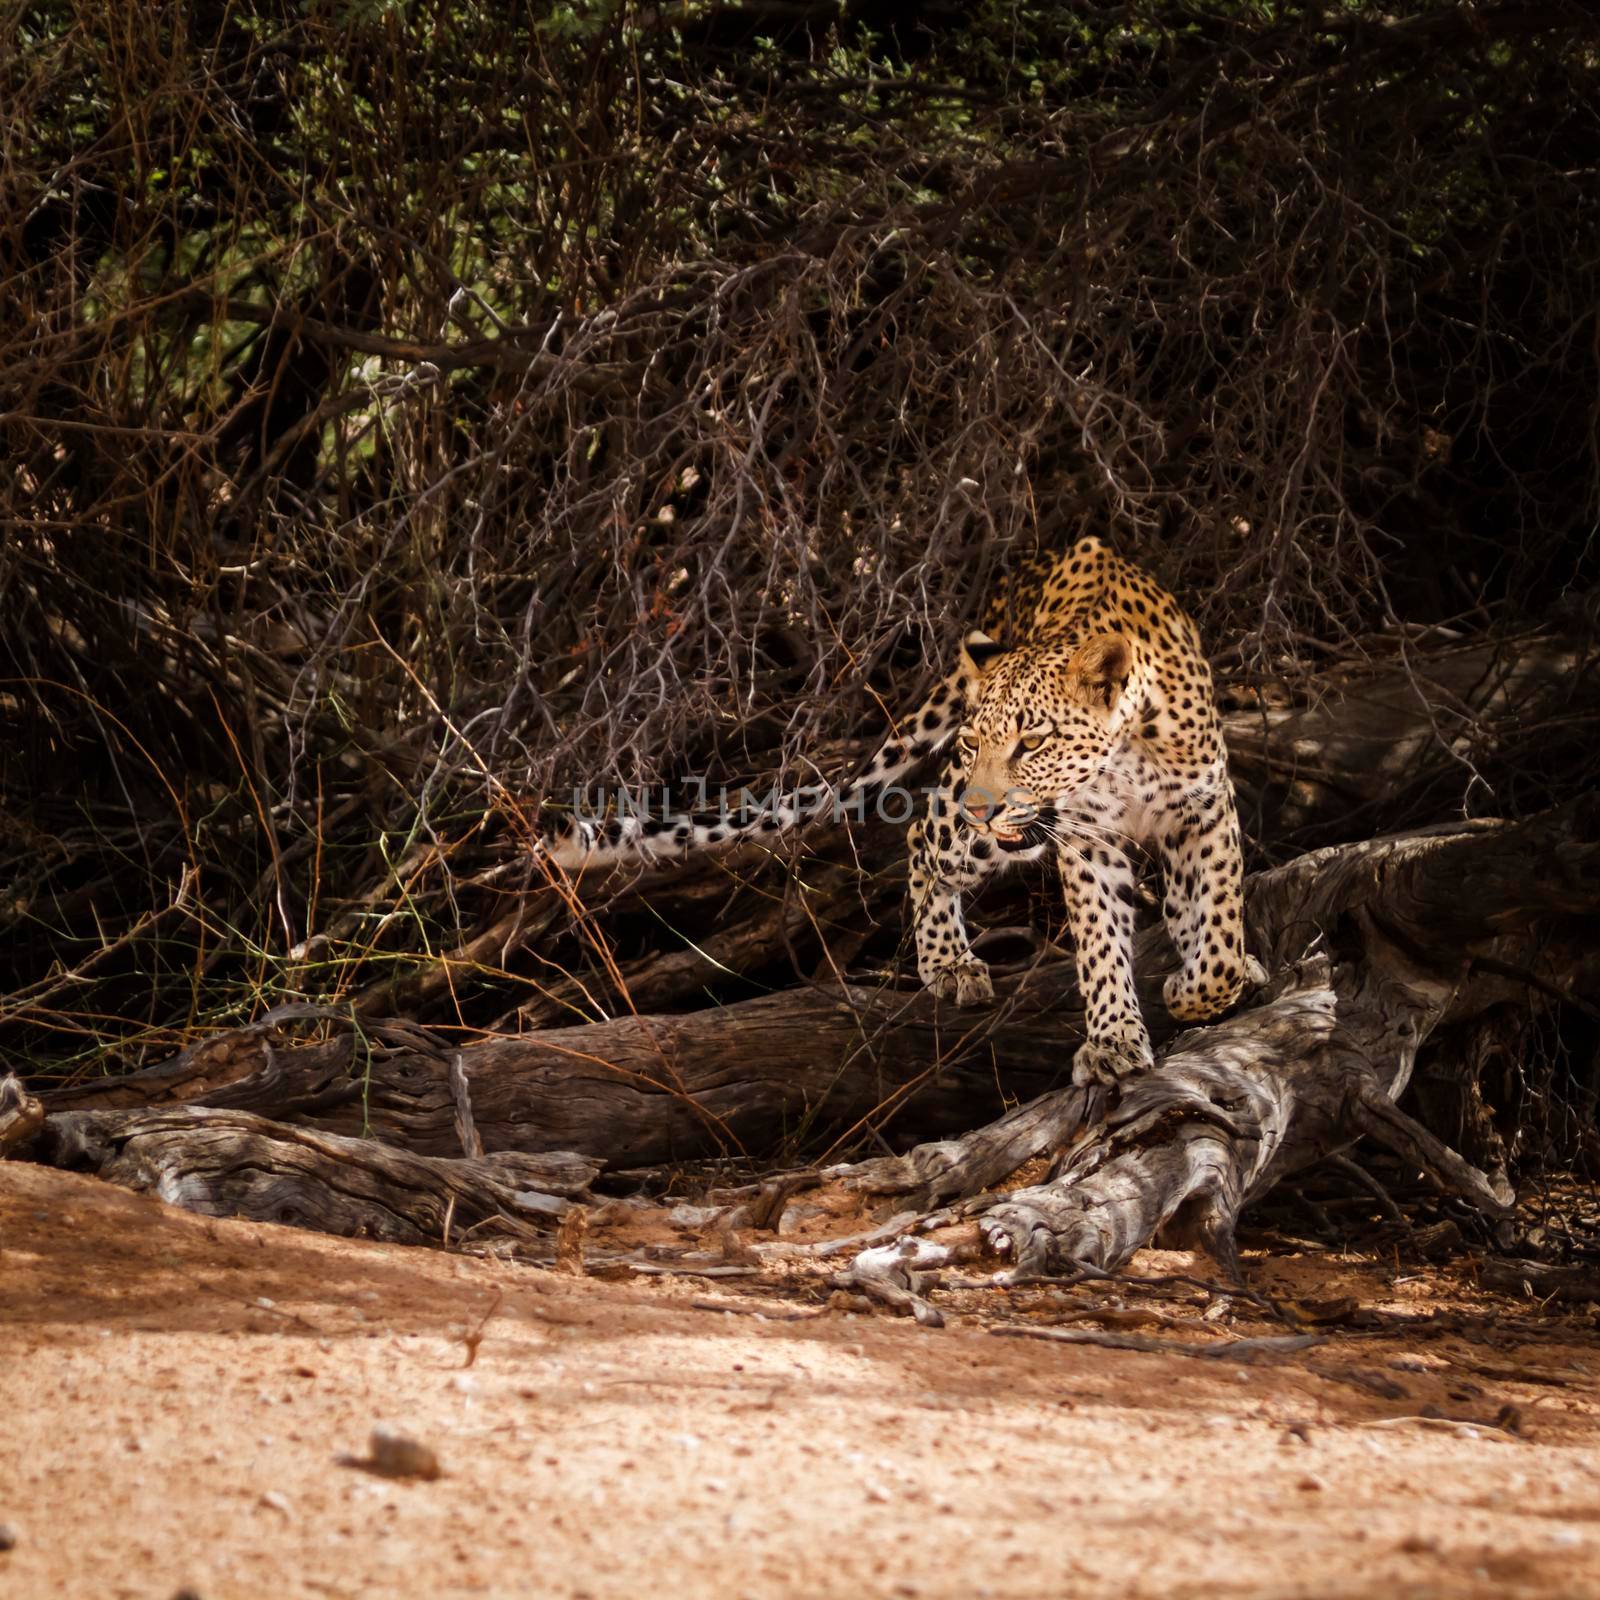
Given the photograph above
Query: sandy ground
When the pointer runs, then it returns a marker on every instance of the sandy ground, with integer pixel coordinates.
(175, 1395)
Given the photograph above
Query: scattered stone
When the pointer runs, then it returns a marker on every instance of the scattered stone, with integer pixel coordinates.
(395, 1455)
(8, 1537)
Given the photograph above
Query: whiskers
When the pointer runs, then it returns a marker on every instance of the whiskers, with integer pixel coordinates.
(1074, 835)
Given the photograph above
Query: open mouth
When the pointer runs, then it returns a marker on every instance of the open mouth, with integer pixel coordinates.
(1033, 832)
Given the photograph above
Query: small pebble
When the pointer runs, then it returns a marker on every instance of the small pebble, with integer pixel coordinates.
(8, 1536)
(396, 1455)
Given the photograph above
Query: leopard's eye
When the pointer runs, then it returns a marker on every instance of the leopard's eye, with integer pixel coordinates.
(1032, 741)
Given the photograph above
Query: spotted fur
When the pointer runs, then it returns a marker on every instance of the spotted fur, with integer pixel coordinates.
(1095, 731)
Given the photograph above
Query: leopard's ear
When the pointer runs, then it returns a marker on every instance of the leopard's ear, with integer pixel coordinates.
(979, 652)
(1099, 668)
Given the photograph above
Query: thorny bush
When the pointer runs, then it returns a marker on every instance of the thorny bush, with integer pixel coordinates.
(411, 411)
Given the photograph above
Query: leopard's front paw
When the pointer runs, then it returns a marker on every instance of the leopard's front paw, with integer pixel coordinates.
(1110, 1060)
(966, 981)
(1192, 998)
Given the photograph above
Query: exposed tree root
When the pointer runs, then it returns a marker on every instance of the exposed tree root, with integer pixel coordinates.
(1231, 1108)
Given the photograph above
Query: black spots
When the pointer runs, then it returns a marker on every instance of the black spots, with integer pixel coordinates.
(1125, 893)
(932, 722)
(940, 694)
(981, 849)
(920, 748)
(612, 831)
(682, 832)
(652, 828)
(889, 756)
(769, 824)
(713, 835)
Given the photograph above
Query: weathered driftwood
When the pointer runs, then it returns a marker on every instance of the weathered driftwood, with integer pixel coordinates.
(739, 1079)
(1540, 1280)
(230, 1163)
(1316, 1062)
(1372, 946)
(1367, 744)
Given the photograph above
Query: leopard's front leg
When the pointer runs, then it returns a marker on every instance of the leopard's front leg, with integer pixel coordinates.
(942, 865)
(1100, 894)
(1202, 861)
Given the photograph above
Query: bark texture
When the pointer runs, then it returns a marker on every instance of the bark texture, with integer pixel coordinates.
(230, 1163)
(1397, 935)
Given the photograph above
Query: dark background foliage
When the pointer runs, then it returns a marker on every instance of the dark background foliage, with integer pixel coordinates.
(412, 410)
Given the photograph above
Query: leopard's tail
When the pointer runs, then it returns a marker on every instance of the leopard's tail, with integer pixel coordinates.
(629, 835)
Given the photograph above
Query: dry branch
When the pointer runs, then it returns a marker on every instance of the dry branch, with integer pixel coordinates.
(229, 1163)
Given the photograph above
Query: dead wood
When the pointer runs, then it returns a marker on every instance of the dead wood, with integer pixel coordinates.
(1372, 947)
(1537, 1280)
(21, 1116)
(233, 1164)
(640, 1090)
(1317, 1062)
(1402, 733)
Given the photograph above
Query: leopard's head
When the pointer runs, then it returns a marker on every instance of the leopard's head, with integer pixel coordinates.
(1044, 722)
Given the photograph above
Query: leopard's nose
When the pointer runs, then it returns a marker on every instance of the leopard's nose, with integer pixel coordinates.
(975, 804)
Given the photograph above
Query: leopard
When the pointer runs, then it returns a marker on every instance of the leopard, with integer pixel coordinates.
(1090, 737)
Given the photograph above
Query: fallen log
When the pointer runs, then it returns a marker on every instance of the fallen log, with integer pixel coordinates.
(230, 1163)
(1406, 731)
(1314, 1064)
(735, 1080)
(1316, 1061)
